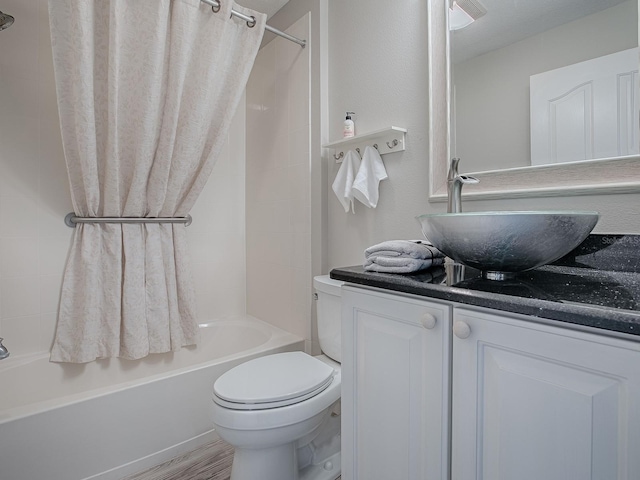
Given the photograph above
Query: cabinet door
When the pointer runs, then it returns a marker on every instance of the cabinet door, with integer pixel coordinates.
(532, 402)
(395, 387)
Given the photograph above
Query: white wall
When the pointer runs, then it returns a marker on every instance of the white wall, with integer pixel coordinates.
(34, 197)
(377, 68)
(278, 184)
(492, 90)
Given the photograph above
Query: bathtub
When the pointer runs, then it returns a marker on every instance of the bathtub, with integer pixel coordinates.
(110, 418)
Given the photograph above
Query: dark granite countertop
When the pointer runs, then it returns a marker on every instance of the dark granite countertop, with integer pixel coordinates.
(597, 285)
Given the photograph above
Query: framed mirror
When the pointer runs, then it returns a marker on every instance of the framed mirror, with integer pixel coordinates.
(485, 84)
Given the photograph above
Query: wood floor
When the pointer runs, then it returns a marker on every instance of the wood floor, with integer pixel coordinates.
(209, 462)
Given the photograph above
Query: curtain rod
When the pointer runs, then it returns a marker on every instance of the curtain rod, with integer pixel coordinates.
(71, 220)
(251, 21)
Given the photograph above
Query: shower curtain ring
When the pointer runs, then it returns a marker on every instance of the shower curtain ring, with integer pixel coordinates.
(214, 10)
(251, 23)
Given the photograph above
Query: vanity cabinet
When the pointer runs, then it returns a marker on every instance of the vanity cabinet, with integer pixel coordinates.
(528, 401)
(395, 386)
(534, 401)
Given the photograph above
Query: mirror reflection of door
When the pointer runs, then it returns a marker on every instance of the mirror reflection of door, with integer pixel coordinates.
(493, 60)
(586, 110)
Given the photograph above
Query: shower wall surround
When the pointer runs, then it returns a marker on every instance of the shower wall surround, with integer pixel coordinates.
(34, 197)
(278, 184)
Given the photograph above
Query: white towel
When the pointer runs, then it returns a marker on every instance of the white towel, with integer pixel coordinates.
(382, 264)
(343, 184)
(402, 256)
(370, 173)
(410, 248)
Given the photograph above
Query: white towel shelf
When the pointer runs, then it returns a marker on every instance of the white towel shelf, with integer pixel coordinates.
(387, 140)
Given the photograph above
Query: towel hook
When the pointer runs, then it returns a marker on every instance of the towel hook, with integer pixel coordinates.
(358, 150)
(338, 157)
(375, 145)
(393, 144)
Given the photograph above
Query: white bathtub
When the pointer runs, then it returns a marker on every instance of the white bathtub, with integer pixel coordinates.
(109, 418)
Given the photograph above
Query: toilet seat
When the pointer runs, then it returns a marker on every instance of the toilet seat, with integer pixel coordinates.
(272, 381)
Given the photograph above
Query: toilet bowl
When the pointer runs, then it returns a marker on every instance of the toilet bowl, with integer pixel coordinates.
(278, 411)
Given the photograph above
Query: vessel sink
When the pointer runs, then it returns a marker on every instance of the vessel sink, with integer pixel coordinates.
(500, 244)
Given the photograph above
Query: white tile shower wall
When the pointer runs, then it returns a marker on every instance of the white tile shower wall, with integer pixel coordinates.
(34, 196)
(278, 188)
(33, 182)
(217, 235)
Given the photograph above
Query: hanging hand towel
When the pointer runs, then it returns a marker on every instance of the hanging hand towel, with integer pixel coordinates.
(342, 185)
(370, 173)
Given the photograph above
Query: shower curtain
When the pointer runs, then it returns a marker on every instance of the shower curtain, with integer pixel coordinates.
(146, 91)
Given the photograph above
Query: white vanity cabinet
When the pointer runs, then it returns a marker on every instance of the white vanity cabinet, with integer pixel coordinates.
(529, 401)
(395, 386)
(533, 401)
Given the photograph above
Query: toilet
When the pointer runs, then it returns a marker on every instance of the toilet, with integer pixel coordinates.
(280, 411)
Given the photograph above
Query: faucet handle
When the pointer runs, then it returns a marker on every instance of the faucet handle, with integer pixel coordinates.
(468, 179)
(454, 175)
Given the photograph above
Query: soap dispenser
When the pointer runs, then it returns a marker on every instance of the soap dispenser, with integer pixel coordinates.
(349, 126)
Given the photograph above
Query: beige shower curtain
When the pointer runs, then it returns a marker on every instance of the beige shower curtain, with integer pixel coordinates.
(146, 91)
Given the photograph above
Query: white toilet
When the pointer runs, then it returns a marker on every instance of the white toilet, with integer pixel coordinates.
(276, 410)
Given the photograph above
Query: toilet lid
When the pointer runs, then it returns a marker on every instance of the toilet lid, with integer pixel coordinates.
(272, 381)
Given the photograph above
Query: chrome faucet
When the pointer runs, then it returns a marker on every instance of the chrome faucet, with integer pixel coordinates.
(454, 186)
(4, 353)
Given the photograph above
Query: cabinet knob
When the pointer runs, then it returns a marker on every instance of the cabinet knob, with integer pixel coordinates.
(461, 329)
(428, 321)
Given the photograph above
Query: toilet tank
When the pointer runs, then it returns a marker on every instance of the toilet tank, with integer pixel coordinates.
(328, 308)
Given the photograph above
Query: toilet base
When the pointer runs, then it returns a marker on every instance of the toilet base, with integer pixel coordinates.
(329, 470)
(318, 459)
(283, 465)
(249, 464)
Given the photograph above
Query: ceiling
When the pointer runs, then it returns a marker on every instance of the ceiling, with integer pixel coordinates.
(508, 21)
(265, 6)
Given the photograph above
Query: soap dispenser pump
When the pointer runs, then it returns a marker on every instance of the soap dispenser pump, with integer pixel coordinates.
(349, 126)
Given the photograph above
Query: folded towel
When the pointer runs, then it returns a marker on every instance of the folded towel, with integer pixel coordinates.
(410, 248)
(402, 256)
(343, 184)
(370, 173)
(399, 264)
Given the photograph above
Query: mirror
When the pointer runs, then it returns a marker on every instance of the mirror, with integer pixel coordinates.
(494, 84)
